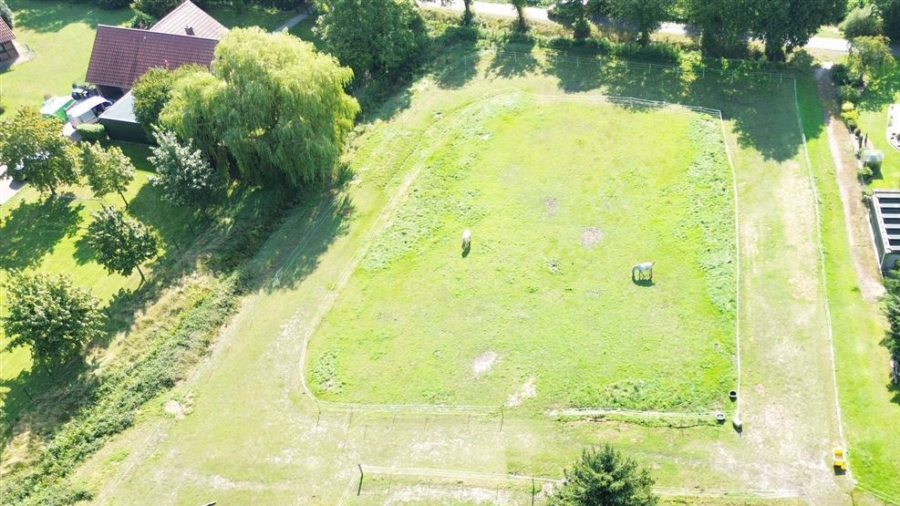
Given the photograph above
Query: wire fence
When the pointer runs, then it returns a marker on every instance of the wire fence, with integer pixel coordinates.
(383, 485)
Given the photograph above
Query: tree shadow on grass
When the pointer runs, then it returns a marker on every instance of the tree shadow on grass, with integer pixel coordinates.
(461, 62)
(295, 249)
(760, 108)
(32, 229)
(514, 58)
(40, 399)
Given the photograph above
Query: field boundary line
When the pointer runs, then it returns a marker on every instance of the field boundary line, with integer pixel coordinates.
(458, 475)
(820, 246)
(738, 293)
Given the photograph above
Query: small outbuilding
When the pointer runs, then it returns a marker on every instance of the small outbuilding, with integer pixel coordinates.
(884, 215)
(120, 122)
(8, 51)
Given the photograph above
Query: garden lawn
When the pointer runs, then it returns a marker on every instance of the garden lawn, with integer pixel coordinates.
(61, 35)
(562, 201)
(48, 235)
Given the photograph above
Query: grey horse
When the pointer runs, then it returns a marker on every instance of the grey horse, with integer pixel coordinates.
(642, 269)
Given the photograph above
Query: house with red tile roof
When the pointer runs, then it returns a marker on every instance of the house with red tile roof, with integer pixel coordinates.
(8, 51)
(122, 55)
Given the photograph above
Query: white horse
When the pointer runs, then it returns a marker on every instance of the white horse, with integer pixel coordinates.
(641, 269)
(466, 239)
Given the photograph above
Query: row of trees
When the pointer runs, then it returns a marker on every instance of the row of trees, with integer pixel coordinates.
(724, 25)
(49, 314)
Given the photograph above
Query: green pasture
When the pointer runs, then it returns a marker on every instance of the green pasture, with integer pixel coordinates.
(542, 311)
(253, 436)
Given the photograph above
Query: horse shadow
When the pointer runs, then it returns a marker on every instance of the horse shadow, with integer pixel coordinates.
(466, 250)
(642, 282)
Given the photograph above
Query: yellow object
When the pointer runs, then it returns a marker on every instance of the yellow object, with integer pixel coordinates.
(840, 460)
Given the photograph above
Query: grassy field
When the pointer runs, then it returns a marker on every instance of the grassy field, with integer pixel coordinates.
(543, 311)
(252, 436)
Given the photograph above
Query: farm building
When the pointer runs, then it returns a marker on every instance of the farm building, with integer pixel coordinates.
(8, 51)
(884, 215)
(122, 55)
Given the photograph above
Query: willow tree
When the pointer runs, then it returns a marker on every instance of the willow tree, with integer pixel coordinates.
(189, 112)
(282, 112)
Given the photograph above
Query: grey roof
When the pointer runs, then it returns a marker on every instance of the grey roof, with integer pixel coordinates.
(122, 110)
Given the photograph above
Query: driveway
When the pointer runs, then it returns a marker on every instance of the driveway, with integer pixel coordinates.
(8, 187)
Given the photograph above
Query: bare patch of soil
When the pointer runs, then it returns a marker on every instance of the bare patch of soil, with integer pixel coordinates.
(591, 237)
(550, 206)
(526, 391)
(173, 408)
(484, 363)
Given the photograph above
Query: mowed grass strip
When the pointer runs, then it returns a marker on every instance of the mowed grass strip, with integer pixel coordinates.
(562, 199)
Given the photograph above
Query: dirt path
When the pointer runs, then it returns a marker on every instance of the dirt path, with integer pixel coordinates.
(855, 213)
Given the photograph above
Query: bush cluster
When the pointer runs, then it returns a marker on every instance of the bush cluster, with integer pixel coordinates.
(91, 132)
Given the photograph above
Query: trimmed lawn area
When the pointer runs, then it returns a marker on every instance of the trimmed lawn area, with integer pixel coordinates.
(304, 31)
(543, 311)
(48, 235)
(61, 35)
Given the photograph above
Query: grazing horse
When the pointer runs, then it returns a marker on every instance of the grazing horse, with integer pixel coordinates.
(640, 269)
(466, 239)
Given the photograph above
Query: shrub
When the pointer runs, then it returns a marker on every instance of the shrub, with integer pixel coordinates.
(851, 119)
(848, 93)
(141, 20)
(847, 107)
(582, 29)
(865, 173)
(862, 21)
(113, 4)
(91, 132)
(155, 8)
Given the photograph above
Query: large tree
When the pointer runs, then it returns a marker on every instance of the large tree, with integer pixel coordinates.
(373, 37)
(722, 23)
(184, 175)
(278, 106)
(35, 143)
(644, 15)
(51, 316)
(789, 24)
(151, 92)
(605, 477)
(122, 243)
(871, 59)
(107, 170)
(520, 5)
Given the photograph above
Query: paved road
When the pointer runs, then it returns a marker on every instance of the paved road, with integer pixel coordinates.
(539, 14)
